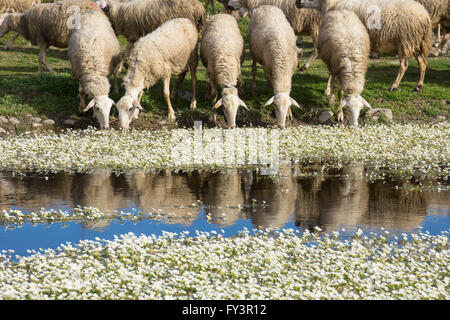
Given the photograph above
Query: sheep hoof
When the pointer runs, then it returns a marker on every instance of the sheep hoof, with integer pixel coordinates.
(6, 48)
(193, 105)
(303, 68)
(392, 89)
(418, 88)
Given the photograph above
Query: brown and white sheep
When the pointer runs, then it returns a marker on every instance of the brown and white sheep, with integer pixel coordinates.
(222, 53)
(395, 26)
(47, 24)
(170, 50)
(273, 44)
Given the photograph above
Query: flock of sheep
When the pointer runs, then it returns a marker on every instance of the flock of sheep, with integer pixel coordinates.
(163, 37)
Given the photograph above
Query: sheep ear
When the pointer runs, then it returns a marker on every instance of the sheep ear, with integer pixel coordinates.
(137, 105)
(90, 105)
(364, 101)
(269, 102)
(112, 101)
(241, 103)
(295, 103)
(218, 104)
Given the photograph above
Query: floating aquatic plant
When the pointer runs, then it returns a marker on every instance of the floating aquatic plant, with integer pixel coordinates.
(285, 264)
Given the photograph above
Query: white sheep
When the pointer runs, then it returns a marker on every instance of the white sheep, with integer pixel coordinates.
(305, 22)
(439, 11)
(94, 53)
(344, 46)
(168, 51)
(137, 18)
(273, 44)
(395, 26)
(47, 24)
(222, 53)
(11, 6)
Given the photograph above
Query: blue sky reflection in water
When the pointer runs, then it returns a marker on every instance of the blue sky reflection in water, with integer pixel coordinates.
(229, 201)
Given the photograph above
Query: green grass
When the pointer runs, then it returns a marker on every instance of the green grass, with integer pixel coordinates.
(22, 92)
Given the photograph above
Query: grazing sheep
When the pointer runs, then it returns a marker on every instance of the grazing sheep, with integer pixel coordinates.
(11, 6)
(47, 24)
(136, 19)
(439, 11)
(344, 46)
(222, 53)
(273, 44)
(305, 22)
(168, 51)
(94, 53)
(394, 26)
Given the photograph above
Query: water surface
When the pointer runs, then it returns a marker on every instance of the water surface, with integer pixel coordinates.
(228, 200)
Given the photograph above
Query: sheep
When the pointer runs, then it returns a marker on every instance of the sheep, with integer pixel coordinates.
(136, 19)
(305, 22)
(344, 46)
(222, 53)
(394, 26)
(94, 53)
(439, 11)
(10, 6)
(273, 44)
(47, 24)
(168, 51)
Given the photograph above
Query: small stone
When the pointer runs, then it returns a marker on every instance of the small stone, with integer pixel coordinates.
(444, 124)
(374, 114)
(70, 122)
(14, 121)
(36, 125)
(3, 120)
(2, 131)
(36, 119)
(325, 116)
(49, 122)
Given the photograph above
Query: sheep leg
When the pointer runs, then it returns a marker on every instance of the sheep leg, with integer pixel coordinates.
(329, 93)
(309, 61)
(254, 91)
(116, 75)
(166, 88)
(443, 43)
(177, 85)
(82, 105)
(11, 41)
(213, 95)
(328, 89)
(401, 73)
(126, 54)
(43, 61)
(340, 114)
(422, 67)
(193, 71)
(212, 7)
(240, 82)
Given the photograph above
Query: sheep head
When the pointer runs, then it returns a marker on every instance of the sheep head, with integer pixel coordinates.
(311, 4)
(128, 109)
(237, 5)
(101, 106)
(282, 102)
(354, 104)
(231, 103)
